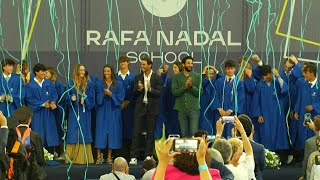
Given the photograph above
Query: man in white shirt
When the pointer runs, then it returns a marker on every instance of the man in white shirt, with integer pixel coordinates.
(120, 170)
(147, 87)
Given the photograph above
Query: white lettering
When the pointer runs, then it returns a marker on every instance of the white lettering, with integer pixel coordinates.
(123, 38)
(232, 43)
(204, 38)
(185, 39)
(164, 37)
(215, 33)
(94, 39)
(108, 39)
(144, 38)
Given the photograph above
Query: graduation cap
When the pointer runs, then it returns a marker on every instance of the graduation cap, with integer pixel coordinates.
(22, 113)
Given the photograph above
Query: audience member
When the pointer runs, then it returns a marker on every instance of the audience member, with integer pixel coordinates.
(243, 169)
(188, 166)
(32, 144)
(217, 161)
(258, 149)
(3, 143)
(310, 144)
(120, 170)
(149, 166)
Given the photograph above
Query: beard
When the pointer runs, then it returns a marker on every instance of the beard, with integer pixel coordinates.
(188, 69)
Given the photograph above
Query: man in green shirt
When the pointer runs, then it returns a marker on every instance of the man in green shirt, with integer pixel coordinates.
(187, 90)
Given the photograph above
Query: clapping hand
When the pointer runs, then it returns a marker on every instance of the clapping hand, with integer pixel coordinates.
(140, 85)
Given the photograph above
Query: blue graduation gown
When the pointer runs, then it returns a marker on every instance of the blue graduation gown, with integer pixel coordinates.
(172, 123)
(61, 107)
(81, 114)
(249, 87)
(266, 102)
(306, 96)
(290, 99)
(162, 117)
(108, 119)
(128, 113)
(43, 120)
(229, 96)
(15, 88)
(207, 113)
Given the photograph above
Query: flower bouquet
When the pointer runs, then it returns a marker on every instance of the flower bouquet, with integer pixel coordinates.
(47, 156)
(272, 159)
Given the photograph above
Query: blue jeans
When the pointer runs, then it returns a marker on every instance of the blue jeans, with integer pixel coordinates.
(189, 122)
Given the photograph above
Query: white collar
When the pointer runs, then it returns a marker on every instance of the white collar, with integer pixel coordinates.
(23, 125)
(232, 77)
(128, 73)
(5, 76)
(313, 82)
(144, 75)
(36, 80)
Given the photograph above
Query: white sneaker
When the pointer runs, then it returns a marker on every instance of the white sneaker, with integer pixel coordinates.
(133, 161)
(62, 157)
(290, 158)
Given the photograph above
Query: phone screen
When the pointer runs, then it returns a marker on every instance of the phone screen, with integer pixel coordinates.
(185, 145)
(307, 118)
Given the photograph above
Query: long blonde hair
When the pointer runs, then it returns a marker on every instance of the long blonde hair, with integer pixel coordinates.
(83, 82)
(54, 76)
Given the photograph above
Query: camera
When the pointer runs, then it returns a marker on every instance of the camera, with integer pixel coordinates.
(227, 119)
(307, 118)
(185, 145)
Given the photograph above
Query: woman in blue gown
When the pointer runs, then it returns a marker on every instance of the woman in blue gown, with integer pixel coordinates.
(81, 100)
(108, 114)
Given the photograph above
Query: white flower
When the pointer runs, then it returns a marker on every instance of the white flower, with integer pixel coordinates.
(47, 156)
(272, 159)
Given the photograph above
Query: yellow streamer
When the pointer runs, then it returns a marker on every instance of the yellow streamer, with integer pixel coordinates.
(25, 49)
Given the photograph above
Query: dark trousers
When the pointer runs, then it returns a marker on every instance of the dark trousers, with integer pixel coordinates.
(144, 119)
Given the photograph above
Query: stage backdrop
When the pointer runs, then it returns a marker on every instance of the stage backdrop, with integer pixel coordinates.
(63, 33)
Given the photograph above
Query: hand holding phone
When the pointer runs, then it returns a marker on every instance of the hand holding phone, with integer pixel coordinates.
(227, 119)
(307, 118)
(185, 145)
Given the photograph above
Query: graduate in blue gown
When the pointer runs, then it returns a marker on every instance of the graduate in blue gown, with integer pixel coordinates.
(167, 114)
(11, 89)
(267, 106)
(126, 78)
(81, 100)
(162, 118)
(42, 97)
(60, 89)
(291, 72)
(207, 122)
(246, 74)
(229, 97)
(108, 120)
(308, 101)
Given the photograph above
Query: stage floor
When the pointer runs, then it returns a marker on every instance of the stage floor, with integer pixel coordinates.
(59, 172)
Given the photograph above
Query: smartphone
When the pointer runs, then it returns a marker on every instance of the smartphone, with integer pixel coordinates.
(185, 145)
(307, 118)
(227, 119)
(174, 136)
(211, 138)
(317, 160)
